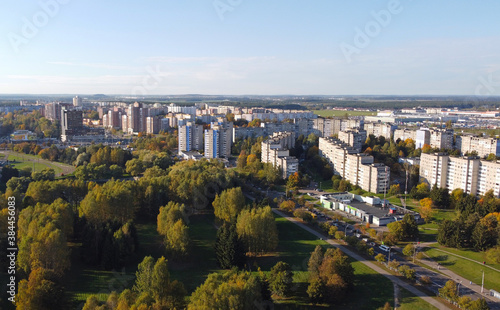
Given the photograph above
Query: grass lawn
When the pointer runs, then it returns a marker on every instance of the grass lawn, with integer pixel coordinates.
(84, 280)
(479, 257)
(408, 301)
(467, 269)
(326, 113)
(295, 247)
(23, 160)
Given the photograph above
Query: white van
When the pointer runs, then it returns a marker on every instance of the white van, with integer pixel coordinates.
(384, 248)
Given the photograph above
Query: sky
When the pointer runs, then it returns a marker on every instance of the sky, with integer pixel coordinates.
(250, 47)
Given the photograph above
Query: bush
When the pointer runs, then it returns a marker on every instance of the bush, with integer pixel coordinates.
(425, 280)
(339, 235)
(380, 258)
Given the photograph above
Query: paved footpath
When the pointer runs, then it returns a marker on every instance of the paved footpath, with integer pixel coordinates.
(385, 273)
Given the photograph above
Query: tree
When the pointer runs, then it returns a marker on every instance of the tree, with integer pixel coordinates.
(409, 250)
(449, 291)
(228, 204)
(316, 290)
(426, 210)
(337, 274)
(315, 261)
(479, 304)
(113, 201)
(134, 167)
(287, 206)
(491, 157)
(153, 283)
(380, 258)
(493, 255)
(228, 290)
(229, 250)
(177, 240)
(292, 183)
(40, 291)
(257, 229)
(281, 279)
(394, 190)
(440, 196)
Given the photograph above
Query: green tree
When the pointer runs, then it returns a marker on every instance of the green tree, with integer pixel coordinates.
(257, 229)
(380, 258)
(228, 290)
(177, 240)
(134, 167)
(281, 279)
(409, 250)
(316, 290)
(449, 291)
(315, 261)
(229, 250)
(394, 190)
(40, 291)
(228, 204)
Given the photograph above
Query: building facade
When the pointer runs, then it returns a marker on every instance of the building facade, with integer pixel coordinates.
(483, 146)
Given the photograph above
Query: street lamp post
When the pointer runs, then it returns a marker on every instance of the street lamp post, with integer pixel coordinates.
(458, 289)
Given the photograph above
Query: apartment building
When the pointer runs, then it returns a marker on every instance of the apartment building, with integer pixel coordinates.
(275, 151)
(380, 129)
(483, 146)
(218, 140)
(422, 137)
(469, 173)
(190, 137)
(354, 138)
(441, 138)
(359, 169)
(404, 134)
(327, 127)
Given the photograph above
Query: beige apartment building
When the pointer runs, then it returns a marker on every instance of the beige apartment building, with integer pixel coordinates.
(483, 146)
(441, 138)
(380, 129)
(354, 138)
(404, 134)
(469, 173)
(275, 150)
(327, 127)
(359, 169)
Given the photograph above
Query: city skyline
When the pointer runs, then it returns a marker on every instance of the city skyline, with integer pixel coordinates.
(250, 48)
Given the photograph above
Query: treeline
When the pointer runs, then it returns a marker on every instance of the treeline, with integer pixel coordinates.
(21, 120)
(476, 224)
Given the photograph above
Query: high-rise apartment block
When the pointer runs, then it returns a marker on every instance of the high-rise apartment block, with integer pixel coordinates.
(354, 138)
(380, 129)
(404, 134)
(469, 173)
(190, 137)
(71, 123)
(483, 146)
(218, 140)
(77, 101)
(359, 169)
(441, 138)
(275, 151)
(327, 127)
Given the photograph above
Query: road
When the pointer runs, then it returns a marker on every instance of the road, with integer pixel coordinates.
(394, 279)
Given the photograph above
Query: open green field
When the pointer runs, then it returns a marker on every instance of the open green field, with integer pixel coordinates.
(295, 247)
(23, 160)
(467, 269)
(83, 280)
(327, 113)
(408, 301)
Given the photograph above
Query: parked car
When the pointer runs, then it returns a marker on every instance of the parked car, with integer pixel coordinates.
(384, 248)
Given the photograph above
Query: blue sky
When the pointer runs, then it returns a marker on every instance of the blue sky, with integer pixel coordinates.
(238, 47)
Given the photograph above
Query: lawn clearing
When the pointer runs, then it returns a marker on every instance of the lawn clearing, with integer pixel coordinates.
(467, 269)
(408, 301)
(33, 162)
(371, 289)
